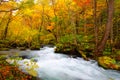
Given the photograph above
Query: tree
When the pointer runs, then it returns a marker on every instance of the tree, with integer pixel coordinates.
(95, 24)
(7, 6)
(101, 45)
(7, 25)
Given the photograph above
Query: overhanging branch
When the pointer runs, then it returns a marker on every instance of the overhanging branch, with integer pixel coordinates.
(9, 10)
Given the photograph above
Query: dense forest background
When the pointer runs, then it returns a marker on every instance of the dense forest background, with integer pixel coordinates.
(80, 26)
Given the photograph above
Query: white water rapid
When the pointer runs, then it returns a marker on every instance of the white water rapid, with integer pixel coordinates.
(54, 66)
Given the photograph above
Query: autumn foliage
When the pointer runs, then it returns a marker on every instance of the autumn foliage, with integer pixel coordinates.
(82, 3)
(34, 23)
(10, 72)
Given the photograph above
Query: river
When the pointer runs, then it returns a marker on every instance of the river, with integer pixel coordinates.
(55, 66)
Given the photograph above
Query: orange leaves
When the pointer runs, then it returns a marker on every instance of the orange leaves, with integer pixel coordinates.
(50, 28)
(9, 72)
(82, 3)
(87, 2)
(89, 25)
(5, 70)
(8, 5)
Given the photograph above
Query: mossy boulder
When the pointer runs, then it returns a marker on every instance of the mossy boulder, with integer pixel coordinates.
(67, 49)
(22, 48)
(108, 63)
(35, 47)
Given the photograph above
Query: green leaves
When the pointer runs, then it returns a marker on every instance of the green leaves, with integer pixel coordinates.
(67, 38)
(108, 63)
(55, 19)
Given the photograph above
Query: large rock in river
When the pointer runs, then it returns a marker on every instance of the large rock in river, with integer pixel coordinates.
(108, 63)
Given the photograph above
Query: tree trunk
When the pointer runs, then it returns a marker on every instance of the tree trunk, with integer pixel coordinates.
(7, 25)
(109, 24)
(56, 34)
(95, 25)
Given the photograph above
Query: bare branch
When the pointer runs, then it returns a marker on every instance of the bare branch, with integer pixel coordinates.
(9, 10)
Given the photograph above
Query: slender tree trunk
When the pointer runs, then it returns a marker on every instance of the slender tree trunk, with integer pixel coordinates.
(7, 25)
(42, 16)
(109, 24)
(111, 34)
(74, 29)
(84, 18)
(57, 35)
(95, 25)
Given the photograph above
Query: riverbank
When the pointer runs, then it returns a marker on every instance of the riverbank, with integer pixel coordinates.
(108, 60)
(11, 72)
(55, 66)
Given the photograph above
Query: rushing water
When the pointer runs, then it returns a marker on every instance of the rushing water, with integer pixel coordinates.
(52, 66)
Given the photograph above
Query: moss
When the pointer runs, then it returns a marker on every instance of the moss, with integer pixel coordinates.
(4, 49)
(22, 48)
(118, 52)
(2, 57)
(108, 63)
(4, 41)
(35, 47)
(63, 48)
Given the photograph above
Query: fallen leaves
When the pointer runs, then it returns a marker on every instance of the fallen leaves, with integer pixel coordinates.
(10, 72)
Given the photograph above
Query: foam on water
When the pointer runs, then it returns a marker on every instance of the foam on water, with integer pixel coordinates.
(54, 66)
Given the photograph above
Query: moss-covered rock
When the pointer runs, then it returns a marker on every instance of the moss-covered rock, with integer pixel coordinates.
(68, 49)
(35, 48)
(22, 48)
(108, 63)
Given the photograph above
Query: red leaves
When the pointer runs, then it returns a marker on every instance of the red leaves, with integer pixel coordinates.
(10, 72)
(82, 3)
(87, 2)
